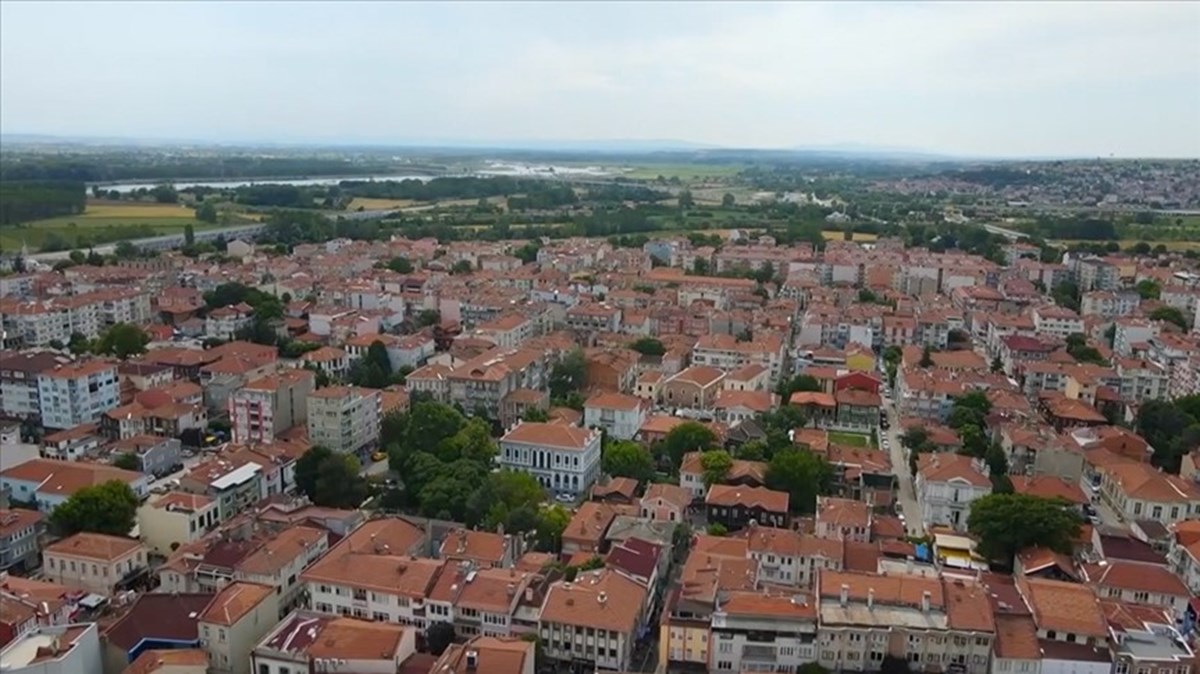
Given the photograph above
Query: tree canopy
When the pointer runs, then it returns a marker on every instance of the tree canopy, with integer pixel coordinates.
(1170, 315)
(108, 508)
(690, 436)
(716, 464)
(800, 473)
(1005, 524)
(649, 346)
(122, 340)
(329, 479)
(622, 458)
(1172, 429)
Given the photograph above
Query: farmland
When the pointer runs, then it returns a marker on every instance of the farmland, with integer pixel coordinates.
(684, 172)
(101, 222)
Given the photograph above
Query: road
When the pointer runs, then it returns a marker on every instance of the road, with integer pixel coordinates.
(162, 242)
(907, 496)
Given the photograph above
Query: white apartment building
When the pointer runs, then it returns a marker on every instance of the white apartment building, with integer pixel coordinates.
(946, 485)
(174, 519)
(304, 642)
(618, 414)
(564, 459)
(345, 419)
(1056, 321)
(39, 323)
(757, 632)
(61, 649)
(1109, 304)
(77, 393)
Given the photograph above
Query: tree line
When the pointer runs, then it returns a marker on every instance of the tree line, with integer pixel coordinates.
(27, 200)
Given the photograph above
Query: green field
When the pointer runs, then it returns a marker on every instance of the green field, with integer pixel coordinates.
(102, 222)
(853, 439)
(682, 171)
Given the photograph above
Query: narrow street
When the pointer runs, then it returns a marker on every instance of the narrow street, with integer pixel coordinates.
(907, 496)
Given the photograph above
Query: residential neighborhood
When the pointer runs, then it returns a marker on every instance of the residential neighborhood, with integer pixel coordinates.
(867, 457)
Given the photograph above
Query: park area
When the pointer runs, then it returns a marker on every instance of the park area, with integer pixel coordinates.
(851, 439)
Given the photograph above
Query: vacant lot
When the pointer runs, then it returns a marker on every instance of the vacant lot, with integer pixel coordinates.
(102, 222)
(368, 204)
(835, 235)
(853, 439)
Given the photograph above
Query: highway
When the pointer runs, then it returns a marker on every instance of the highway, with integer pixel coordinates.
(163, 242)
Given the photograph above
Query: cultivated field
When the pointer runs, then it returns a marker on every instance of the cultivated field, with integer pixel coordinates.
(681, 171)
(368, 204)
(102, 222)
(861, 237)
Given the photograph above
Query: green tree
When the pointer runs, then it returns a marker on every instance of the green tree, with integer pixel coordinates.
(206, 212)
(865, 296)
(800, 473)
(727, 200)
(308, 467)
(1005, 524)
(122, 340)
(755, 450)
(189, 234)
(128, 461)
(108, 508)
(649, 346)
(428, 317)
(507, 498)
(568, 375)
(801, 382)
(690, 436)
(536, 415)
(79, 344)
(400, 265)
(716, 464)
(1171, 428)
(997, 365)
(1149, 289)
(552, 522)
(461, 267)
(622, 458)
(93, 258)
(969, 409)
(78, 257)
(717, 529)
(1170, 315)
(926, 357)
(339, 484)
(439, 636)
(125, 250)
(686, 200)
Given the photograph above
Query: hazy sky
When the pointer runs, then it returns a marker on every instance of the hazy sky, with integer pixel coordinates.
(1011, 78)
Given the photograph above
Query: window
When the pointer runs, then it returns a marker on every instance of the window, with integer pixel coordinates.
(264, 669)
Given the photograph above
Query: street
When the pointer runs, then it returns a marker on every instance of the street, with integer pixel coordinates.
(906, 496)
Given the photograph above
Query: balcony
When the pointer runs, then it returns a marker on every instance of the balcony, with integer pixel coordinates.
(759, 653)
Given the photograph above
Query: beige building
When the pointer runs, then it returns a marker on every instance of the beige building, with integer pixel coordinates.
(264, 408)
(305, 642)
(165, 522)
(345, 419)
(233, 623)
(693, 388)
(94, 562)
(1138, 491)
(930, 622)
(594, 619)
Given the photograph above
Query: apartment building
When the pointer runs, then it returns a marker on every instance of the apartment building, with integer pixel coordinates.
(789, 558)
(1135, 583)
(1146, 639)
(19, 395)
(98, 563)
(565, 459)
(618, 414)
(233, 623)
(1055, 321)
(59, 649)
(1138, 491)
(1141, 380)
(928, 621)
(1109, 304)
(1072, 630)
(38, 323)
(946, 485)
(47, 483)
(1184, 553)
(233, 484)
(264, 408)
(346, 419)
(489, 654)
(726, 352)
(173, 519)
(483, 382)
(754, 631)
(20, 531)
(593, 620)
(306, 641)
(77, 393)
(223, 323)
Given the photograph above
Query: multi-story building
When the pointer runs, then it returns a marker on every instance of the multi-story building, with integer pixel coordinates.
(928, 621)
(305, 641)
(754, 631)
(19, 397)
(725, 352)
(39, 323)
(1109, 304)
(346, 419)
(47, 483)
(1138, 491)
(238, 617)
(1146, 640)
(58, 649)
(174, 519)
(620, 415)
(1141, 380)
(789, 558)
(1055, 321)
(693, 388)
(946, 485)
(233, 485)
(223, 323)
(20, 531)
(1184, 553)
(155, 456)
(481, 384)
(565, 459)
(95, 562)
(264, 408)
(737, 506)
(594, 619)
(77, 393)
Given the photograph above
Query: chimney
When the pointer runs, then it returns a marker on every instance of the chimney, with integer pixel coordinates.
(926, 596)
(844, 598)
(871, 598)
